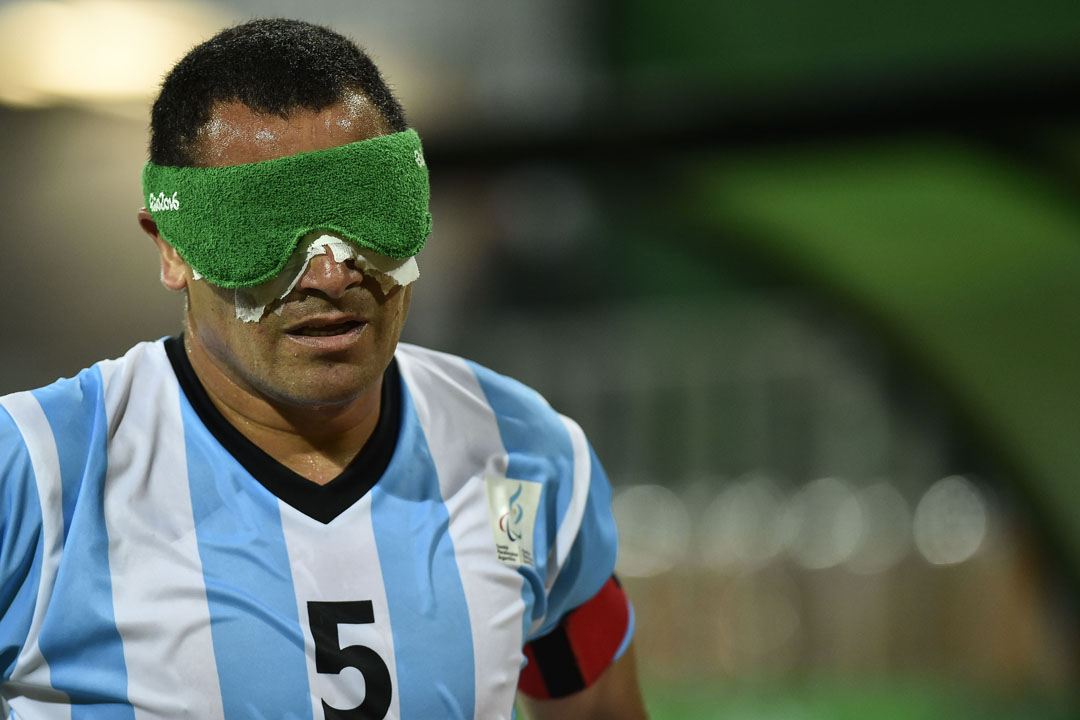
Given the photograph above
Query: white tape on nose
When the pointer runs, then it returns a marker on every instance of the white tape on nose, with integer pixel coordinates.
(251, 303)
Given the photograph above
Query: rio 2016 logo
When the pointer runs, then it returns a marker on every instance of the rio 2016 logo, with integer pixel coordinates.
(511, 520)
(161, 201)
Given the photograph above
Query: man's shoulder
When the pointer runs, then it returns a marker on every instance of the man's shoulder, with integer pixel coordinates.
(433, 371)
(466, 398)
(65, 400)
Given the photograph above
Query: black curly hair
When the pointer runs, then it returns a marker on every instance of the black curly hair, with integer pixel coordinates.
(272, 66)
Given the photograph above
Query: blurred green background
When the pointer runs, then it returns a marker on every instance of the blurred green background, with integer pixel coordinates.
(805, 273)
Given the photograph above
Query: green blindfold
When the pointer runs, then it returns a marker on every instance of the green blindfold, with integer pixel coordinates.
(237, 226)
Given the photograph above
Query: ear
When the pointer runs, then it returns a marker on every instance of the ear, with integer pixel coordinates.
(175, 272)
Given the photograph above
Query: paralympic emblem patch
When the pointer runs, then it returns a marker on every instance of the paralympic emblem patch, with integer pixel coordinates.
(512, 507)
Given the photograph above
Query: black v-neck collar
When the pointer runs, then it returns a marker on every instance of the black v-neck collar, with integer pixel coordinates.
(321, 502)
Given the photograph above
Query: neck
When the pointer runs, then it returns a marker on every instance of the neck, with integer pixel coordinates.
(315, 441)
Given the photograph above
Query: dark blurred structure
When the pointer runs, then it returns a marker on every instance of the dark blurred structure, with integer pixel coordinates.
(806, 275)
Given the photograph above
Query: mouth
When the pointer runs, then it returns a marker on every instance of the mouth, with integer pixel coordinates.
(320, 330)
(328, 333)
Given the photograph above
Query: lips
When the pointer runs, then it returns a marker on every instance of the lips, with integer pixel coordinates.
(325, 330)
(322, 326)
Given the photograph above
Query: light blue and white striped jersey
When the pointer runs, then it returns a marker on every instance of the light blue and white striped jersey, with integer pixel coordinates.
(148, 569)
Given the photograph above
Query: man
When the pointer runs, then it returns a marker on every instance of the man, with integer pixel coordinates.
(283, 512)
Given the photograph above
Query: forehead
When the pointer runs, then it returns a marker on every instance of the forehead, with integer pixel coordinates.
(236, 134)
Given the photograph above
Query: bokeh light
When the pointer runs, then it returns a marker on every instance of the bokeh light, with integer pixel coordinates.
(823, 524)
(739, 528)
(654, 530)
(950, 521)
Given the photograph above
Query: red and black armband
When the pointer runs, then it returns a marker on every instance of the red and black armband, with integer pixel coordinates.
(586, 642)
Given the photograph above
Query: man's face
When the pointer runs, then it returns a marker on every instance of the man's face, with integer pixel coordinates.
(336, 331)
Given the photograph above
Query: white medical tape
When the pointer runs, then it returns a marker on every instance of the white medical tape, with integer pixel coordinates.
(251, 303)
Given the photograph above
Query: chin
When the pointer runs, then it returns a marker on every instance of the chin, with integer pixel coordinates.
(323, 392)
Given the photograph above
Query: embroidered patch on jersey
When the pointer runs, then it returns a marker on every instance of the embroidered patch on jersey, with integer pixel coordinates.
(512, 506)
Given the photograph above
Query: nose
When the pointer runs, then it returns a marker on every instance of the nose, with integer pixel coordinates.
(328, 276)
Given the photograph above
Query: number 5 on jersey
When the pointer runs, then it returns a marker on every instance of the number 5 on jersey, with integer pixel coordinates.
(324, 619)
